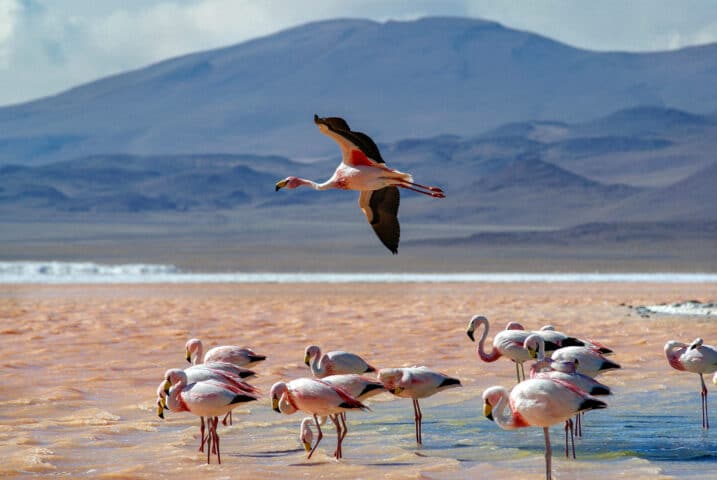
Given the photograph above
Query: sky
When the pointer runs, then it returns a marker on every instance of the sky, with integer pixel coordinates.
(47, 46)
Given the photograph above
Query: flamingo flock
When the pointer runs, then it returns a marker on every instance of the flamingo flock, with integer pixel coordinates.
(560, 385)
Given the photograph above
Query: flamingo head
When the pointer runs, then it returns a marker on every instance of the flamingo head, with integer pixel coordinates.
(532, 345)
(391, 377)
(289, 182)
(474, 323)
(491, 397)
(192, 348)
(306, 435)
(310, 352)
(514, 326)
(277, 390)
(696, 343)
(173, 376)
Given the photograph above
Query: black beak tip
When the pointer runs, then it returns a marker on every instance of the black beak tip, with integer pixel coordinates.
(276, 410)
(276, 188)
(316, 118)
(470, 335)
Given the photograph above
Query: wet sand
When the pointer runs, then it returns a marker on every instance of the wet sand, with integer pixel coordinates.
(80, 365)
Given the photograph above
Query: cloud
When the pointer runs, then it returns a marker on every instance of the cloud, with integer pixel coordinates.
(48, 46)
(9, 10)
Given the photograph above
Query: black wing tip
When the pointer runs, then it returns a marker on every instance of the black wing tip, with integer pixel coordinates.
(600, 391)
(371, 387)
(247, 373)
(241, 398)
(608, 365)
(591, 404)
(450, 381)
(573, 342)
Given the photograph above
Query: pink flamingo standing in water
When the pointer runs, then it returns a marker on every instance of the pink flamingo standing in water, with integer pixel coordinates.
(318, 398)
(696, 358)
(334, 363)
(209, 399)
(415, 383)
(363, 169)
(537, 403)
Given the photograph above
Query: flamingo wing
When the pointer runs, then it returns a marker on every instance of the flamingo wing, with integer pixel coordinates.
(359, 148)
(381, 210)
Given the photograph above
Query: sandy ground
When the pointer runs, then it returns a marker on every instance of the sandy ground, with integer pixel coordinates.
(80, 365)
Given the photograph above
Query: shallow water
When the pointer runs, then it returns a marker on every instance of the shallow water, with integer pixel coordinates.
(80, 365)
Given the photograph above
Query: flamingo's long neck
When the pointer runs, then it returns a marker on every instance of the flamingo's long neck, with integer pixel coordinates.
(494, 354)
(174, 399)
(198, 354)
(502, 414)
(328, 184)
(317, 365)
(673, 351)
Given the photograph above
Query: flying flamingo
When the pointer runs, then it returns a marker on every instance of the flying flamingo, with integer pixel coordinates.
(415, 383)
(695, 358)
(548, 368)
(537, 402)
(318, 398)
(363, 169)
(508, 343)
(206, 399)
(334, 363)
(239, 356)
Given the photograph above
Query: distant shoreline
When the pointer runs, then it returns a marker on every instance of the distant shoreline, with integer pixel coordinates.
(93, 273)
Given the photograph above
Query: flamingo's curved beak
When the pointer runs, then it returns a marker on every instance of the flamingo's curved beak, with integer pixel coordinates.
(397, 390)
(160, 411)
(470, 335)
(307, 360)
(533, 353)
(488, 411)
(280, 185)
(167, 385)
(189, 356)
(307, 446)
(275, 404)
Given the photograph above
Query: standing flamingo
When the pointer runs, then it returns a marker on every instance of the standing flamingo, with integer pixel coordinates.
(548, 368)
(363, 169)
(537, 403)
(415, 383)
(239, 356)
(695, 358)
(334, 363)
(508, 343)
(202, 373)
(206, 399)
(318, 398)
(588, 361)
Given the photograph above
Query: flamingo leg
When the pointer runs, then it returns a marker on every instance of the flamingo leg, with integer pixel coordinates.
(705, 417)
(201, 432)
(318, 439)
(517, 372)
(430, 194)
(522, 370)
(209, 441)
(548, 454)
(418, 416)
(339, 437)
(425, 187)
(579, 424)
(216, 439)
(227, 417)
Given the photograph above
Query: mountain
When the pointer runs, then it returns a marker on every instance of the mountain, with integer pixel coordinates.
(393, 80)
